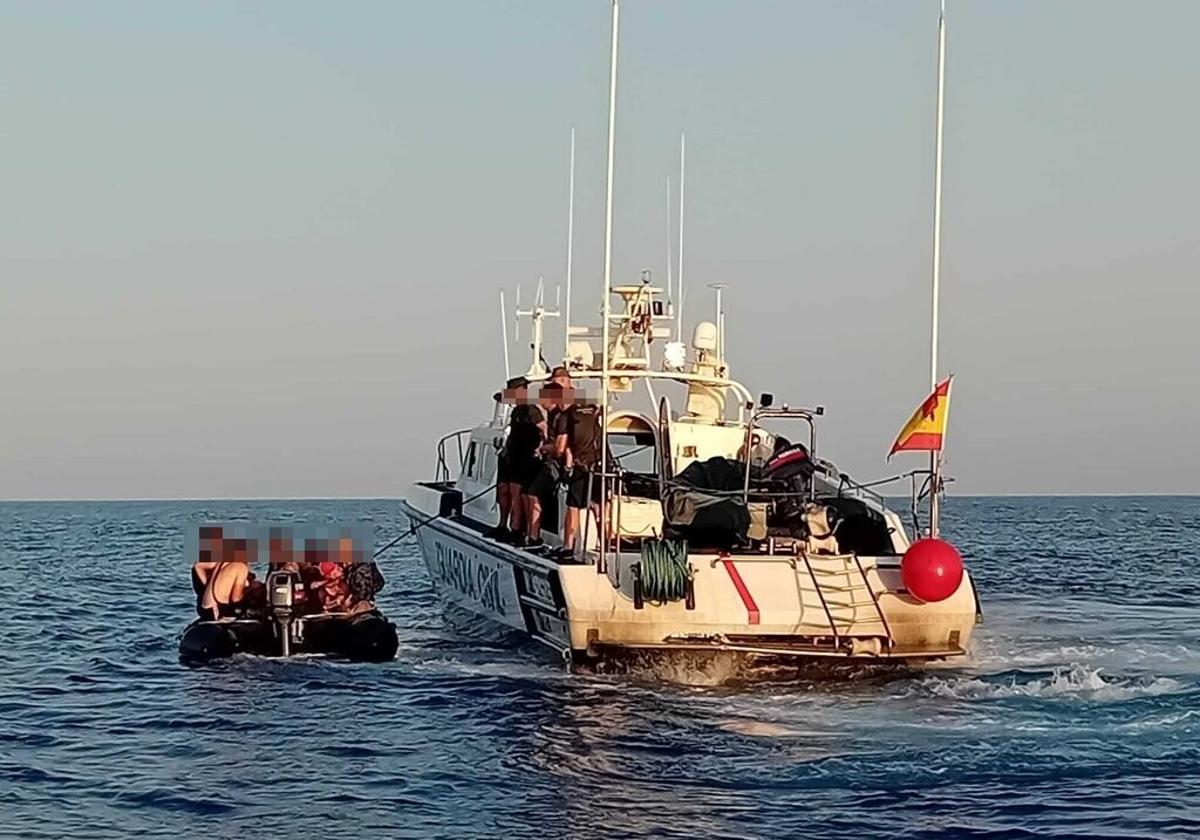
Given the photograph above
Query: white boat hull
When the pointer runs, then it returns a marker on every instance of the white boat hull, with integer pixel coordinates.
(763, 605)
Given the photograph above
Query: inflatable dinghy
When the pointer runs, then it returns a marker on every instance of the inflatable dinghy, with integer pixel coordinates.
(282, 631)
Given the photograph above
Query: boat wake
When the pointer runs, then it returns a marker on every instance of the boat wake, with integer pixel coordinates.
(1074, 682)
(728, 669)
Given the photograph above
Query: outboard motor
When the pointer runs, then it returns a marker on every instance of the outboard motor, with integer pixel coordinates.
(281, 598)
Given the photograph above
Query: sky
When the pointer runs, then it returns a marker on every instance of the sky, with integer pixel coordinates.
(254, 250)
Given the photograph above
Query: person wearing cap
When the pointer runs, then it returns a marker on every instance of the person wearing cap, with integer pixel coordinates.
(518, 462)
(544, 480)
(560, 382)
(577, 438)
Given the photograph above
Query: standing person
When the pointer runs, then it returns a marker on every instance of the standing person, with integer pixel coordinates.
(544, 479)
(560, 386)
(577, 436)
(526, 431)
(508, 484)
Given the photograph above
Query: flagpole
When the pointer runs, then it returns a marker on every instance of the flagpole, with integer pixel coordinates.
(607, 303)
(935, 458)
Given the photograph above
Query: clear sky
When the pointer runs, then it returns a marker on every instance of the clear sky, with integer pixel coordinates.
(254, 249)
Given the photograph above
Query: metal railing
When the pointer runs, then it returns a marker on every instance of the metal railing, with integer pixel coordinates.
(441, 470)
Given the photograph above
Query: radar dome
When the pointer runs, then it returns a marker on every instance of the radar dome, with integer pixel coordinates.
(705, 336)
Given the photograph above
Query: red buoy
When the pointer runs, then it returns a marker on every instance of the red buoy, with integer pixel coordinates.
(931, 570)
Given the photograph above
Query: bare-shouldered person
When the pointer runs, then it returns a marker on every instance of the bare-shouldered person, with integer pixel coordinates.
(227, 585)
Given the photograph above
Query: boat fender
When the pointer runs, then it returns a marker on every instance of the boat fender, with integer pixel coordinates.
(932, 570)
(371, 638)
(206, 641)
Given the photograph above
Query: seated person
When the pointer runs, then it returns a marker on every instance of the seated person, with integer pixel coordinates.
(346, 552)
(210, 539)
(281, 551)
(365, 581)
(334, 592)
(227, 584)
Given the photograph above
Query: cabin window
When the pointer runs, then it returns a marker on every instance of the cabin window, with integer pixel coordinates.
(470, 461)
(634, 452)
(486, 468)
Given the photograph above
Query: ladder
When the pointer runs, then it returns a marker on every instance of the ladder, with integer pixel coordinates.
(839, 581)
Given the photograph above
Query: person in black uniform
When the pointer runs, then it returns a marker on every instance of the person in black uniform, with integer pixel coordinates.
(519, 460)
(543, 481)
(577, 437)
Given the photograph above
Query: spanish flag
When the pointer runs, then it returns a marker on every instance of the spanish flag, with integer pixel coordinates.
(926, 429)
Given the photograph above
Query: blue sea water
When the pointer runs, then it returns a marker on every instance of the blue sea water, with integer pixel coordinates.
(1077, 713)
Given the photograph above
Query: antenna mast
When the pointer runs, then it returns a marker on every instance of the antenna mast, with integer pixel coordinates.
(670, 282)
(504, 335)
(935, 458)
(537, 313)
(570, 244)
(679, 265)
(606, 305)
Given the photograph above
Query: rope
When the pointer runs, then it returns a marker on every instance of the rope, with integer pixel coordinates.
(665, 571)
(425, 522)
(867, 485)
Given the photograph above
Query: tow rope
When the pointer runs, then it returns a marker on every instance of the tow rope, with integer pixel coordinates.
(425, 522)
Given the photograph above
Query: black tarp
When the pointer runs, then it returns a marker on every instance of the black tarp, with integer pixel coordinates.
(705, 506)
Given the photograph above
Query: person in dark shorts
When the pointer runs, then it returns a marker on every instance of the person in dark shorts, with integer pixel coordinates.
(526, 432)
(513, 462)
(577, 434)
(543, 481)
(504, 481)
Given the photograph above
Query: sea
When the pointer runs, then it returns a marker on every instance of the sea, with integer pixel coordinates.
(1076, 713)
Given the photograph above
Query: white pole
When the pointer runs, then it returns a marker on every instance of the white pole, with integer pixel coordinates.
(670, 281)
(606, 304)
(504, 335)
(538, 326)
(937, 199)
(679, 264)
(720, 319)
(570, 245)
(935, 458)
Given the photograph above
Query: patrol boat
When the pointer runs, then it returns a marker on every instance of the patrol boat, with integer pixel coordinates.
(719, 533)
(720, 526)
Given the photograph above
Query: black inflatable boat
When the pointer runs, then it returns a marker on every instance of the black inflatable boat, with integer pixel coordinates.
(280, 630)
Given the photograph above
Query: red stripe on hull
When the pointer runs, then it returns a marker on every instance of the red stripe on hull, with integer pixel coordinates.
(740, 586)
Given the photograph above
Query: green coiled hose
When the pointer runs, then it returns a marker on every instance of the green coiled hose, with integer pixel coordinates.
(665, 571)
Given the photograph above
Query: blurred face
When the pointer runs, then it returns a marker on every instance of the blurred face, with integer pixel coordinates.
(345, 550)
(210, 550)
(210, 545)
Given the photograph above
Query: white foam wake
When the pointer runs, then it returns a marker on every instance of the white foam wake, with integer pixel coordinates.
(1073, 682)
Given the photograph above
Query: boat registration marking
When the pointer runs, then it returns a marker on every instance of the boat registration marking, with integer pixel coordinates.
(471, 575)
